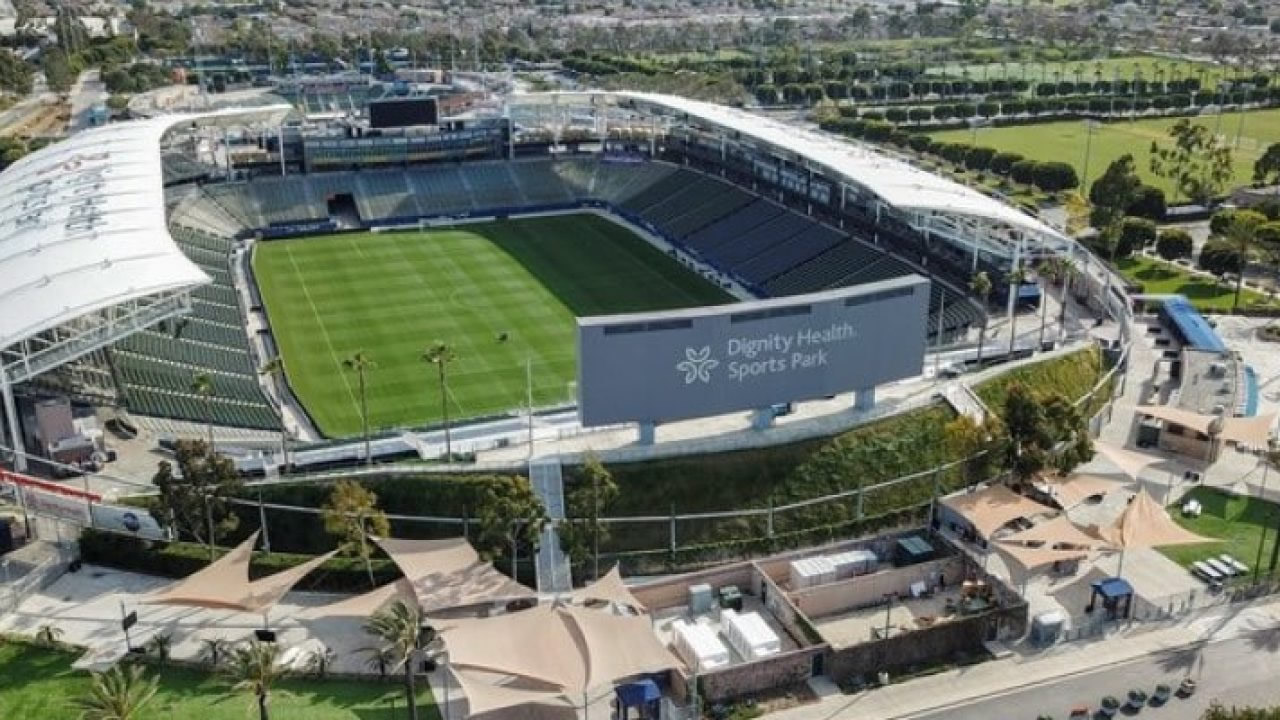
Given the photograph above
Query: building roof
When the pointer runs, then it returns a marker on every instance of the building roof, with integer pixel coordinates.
(82, 228)
(895, 181)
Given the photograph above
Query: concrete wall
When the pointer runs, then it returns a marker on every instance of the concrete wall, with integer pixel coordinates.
(868, 590)
(776, 671)
(935, 644)
(674, 592)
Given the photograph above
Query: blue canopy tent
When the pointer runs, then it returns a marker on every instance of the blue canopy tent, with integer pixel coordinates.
(642, 695)
(1114, 592)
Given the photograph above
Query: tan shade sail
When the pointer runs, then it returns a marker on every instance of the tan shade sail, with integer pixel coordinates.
(1071, 491)
(366, 604)
(1058, 531)
(993, 507)
(220, 584)
(1130, 463)
(485, 697)
(1251, 431)
(450, 574)
(224, 583)
(1145, 524)
(573, 648)
(1186, 418)
(609, 588)
(1032, 558)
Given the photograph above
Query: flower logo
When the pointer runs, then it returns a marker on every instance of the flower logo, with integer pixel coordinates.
(697, 365)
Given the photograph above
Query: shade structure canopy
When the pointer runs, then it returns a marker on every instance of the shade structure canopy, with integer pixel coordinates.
(1130, 463)
(224, 583)
(572, 650)
(993, 507)
(487, 697)
(1251, 431)
(609, 588)
(449, 574)
(1032, 558)
(1071, 491)
(1145, 524)
(365, 604)
(1048, 542)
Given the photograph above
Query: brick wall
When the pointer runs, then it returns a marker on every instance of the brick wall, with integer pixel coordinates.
(867, 590)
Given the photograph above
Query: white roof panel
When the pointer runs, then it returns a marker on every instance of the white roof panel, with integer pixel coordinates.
(83, 227)
(897, 182)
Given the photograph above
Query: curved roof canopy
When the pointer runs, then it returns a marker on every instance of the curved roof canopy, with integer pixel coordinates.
(82, 228)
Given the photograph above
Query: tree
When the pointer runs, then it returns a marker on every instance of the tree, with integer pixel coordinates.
(1028, 431)
(118, 694)
(15, 75)
(1049, 273)
(1268, 238)
(352, 515)
(402, 636)
(1113, 193)
(980, 285)
(1148, 203)
(1198, 163)
(441, 354)
(202, 386)
(160, 645)
(48, 635)
(1220, 257)
(274, 368)
(1241, 233)
(254, 667)
(1217, 711)
(1173, 244)
(977, 444)
(1015, 279)
(509, 515)
(1266, 169)
(1135, 234)
(360, 363)
(586, 500)
(197, 503)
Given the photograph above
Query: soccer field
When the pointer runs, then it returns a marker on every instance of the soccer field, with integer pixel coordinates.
(1065, 141)
(391, 295)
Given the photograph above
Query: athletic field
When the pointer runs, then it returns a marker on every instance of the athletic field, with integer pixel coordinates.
(391, 295)
(1065, 141)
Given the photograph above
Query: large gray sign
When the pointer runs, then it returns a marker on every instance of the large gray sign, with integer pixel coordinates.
(712, 360)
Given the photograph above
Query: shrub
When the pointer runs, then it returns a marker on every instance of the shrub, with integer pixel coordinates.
(1221, 257)
(1269, 236)
(1148, 203)
(1221, 220)
(979, 158)
(1003, 162)
(1136, 233)
(1055, 176)
(1024, 171)
(920, 143)
(1173, 244)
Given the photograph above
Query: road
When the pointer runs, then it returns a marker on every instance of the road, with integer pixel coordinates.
(88, 91)
(1235, 672)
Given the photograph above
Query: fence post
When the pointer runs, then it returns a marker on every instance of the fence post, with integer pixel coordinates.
(671, 542)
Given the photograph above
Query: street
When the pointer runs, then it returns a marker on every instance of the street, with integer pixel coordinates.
(1235, 672)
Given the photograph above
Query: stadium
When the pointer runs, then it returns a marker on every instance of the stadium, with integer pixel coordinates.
(209, 244)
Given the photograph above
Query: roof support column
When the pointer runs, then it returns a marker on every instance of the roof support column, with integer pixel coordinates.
(11, 422)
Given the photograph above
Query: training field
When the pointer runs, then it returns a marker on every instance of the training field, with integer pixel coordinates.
(1065, 141)
(391, 295)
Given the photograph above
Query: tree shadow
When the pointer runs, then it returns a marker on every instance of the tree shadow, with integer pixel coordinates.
(1182, 661)
(1263, 637)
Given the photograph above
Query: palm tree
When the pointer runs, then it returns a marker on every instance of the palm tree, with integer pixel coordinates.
(202, 385)
(441, 354)
(160, 645)
(362, 364)
(980, 285)
(1049, 274)
(274, 368)
(400, 629)
(1017, 276)
(254, 667)
(117, 694)
(212, 650)
(1242, 232)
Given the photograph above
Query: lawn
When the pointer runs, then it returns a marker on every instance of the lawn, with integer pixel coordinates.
(40, 683)
(1158, 277)
(391, 295)
(1065, 141)
(1237, 521)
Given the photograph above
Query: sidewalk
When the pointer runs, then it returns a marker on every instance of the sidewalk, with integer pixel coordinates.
(997, 677)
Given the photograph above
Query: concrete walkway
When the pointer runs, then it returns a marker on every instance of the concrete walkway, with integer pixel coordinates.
(991, 679)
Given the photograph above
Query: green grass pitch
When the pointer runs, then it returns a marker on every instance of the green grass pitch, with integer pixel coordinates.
(391, 295)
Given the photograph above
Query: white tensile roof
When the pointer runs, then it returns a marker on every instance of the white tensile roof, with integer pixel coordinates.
(82, 228)
(897, 182)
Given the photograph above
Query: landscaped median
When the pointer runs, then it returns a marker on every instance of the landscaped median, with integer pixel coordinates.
(38, 683)
(1157, 277)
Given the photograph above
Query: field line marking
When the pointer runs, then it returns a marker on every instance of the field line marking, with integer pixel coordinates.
(323, 331)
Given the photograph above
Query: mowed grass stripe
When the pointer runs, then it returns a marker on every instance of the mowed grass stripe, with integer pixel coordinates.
(393, 294)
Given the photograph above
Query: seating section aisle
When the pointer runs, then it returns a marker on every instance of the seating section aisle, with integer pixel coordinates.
(157, 367)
